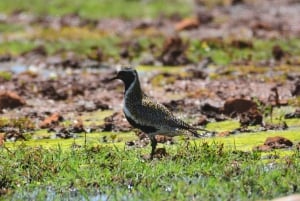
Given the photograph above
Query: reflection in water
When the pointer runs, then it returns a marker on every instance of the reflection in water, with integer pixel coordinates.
(18, 69)
(50, 194)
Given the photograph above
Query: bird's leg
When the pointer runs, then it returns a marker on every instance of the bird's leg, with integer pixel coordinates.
(153, 145)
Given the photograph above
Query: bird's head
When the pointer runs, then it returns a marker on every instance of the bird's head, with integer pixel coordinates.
(127, 75)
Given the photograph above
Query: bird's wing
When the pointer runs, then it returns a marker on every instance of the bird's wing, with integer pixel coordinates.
(154, 114)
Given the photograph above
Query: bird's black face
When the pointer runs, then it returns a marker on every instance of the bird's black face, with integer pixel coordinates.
(127, 75)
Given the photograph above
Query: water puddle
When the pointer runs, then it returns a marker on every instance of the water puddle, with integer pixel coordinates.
(50, 194)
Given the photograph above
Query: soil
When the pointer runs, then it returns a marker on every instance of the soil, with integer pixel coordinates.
(276, 142)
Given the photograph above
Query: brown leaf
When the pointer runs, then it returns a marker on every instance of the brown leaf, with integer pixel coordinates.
(9, 99)
(223, 134)
(187, 24)
(51, 120)
(2, 138)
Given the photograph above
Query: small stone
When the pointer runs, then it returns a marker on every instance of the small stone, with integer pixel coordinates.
(278, 142)
(233, 107)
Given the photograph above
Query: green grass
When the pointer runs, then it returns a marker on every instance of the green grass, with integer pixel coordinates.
(81, 47)
(8, 28)
(222, 168)
(96, 9)
(223, 53)
(198, 171)
(16, 47)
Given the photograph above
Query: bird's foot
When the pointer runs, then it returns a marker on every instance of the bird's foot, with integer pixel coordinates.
(159, 153)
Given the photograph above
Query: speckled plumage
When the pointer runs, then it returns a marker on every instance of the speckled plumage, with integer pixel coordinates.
(150, 113)
(146, 114)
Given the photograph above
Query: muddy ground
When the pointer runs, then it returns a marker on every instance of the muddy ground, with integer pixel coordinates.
(41, 89)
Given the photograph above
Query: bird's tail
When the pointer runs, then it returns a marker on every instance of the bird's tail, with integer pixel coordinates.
(194, 132)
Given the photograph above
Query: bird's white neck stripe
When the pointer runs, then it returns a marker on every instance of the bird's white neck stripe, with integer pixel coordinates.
(127, 92)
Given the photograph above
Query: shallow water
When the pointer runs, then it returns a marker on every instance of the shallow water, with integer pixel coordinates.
(50, 194)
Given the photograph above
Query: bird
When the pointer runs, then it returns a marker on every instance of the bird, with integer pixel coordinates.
(148, 115)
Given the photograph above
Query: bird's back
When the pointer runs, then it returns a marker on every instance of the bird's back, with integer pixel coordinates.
(151, 113)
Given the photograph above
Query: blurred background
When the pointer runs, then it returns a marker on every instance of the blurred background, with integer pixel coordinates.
(147, 32)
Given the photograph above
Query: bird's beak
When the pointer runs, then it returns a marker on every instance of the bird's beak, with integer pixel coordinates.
(110, 79)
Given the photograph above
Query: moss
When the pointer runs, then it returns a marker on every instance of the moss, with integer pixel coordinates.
(96, 118)
(246, 141)
(223, 126)
(21, 123)
(5, 75)
(294, 101)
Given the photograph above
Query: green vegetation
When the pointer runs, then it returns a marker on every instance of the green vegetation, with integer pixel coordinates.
(83, 40)
(202, 172)
(5, 75)
(260, 50)
(96, 9)
(21, 123)
(84, 46)
(9, 28)
(16, 47)
(203, 169)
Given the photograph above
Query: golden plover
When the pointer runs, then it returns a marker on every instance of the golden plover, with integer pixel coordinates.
(146, 114)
